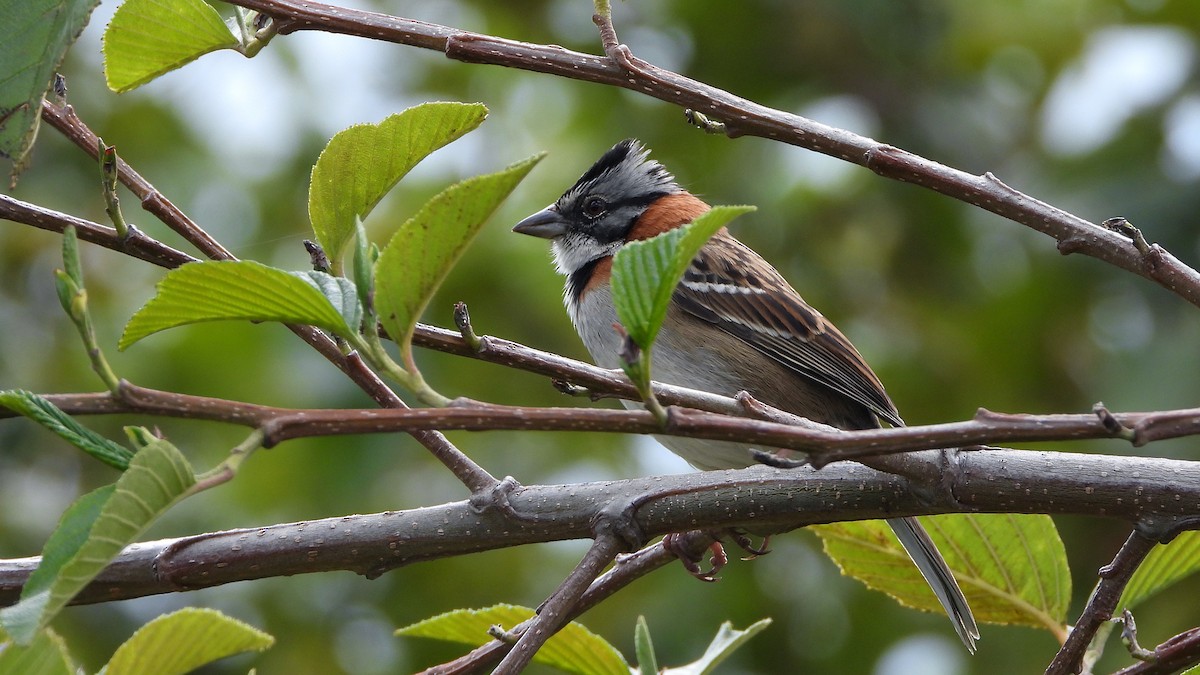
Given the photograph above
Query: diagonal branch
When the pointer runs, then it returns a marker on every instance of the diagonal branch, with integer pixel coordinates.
(1113, 579)
(64, 119)
(556, 611)
(626, 570)
(744, 117)
(67, 123)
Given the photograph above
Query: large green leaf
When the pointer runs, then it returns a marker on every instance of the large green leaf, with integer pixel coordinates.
(1164, 566)
(48, 415)
(94, 530)
(147, 38)
(574, 649)
(46, 655)
(247, 290)
(1012, 568)
(182, 641)
(645, 273)
(360, 164)
(420, 254)
(34, 38)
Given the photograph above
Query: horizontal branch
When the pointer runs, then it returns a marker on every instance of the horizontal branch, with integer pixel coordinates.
(760, 499)
(744, 117)
(136, 244)
(821, 444)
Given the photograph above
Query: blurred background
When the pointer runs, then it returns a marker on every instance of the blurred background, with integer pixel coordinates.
(1091, 105)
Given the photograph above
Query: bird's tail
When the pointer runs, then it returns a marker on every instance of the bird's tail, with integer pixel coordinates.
(929, 561)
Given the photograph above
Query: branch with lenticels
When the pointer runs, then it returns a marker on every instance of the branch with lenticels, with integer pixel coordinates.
(783, 499)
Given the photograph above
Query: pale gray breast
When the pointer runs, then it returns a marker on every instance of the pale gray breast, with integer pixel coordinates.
(678, 359)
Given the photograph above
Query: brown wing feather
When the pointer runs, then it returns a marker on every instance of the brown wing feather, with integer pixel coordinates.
(732, 287)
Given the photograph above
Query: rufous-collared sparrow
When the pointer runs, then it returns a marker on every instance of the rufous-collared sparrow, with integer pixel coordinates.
(733, 324)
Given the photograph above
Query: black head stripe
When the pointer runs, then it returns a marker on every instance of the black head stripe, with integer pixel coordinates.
(624, 172)
(607, 162)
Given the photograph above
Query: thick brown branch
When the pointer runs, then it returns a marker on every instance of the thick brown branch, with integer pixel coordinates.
(760, 499)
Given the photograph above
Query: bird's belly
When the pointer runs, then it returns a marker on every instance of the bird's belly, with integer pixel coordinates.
(675, 360)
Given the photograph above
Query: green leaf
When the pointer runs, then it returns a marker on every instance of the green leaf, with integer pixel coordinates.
(362, 163)
(48, 415)
(645, 273)
(34, 38)
(422, 252)
(23, 620)
(574, 649)
(644, 647)
(726, 642)
(182, 641)
(147, 38)
(1012, 568)
(1164, 566)
(243, 289)
(94, 530)
(46, 655)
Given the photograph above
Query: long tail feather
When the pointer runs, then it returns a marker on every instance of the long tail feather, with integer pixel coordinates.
(929, 561)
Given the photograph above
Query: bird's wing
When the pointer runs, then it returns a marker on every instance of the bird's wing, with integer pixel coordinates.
(735, 289)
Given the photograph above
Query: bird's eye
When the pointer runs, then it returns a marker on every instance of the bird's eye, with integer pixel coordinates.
(594, 207)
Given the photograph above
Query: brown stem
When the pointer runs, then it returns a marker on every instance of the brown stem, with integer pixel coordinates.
(624, 572)
(556, 611)
(64, 119)
(1102, 604)
(136, 244)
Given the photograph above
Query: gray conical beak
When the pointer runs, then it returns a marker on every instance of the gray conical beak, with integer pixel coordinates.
(547, 224)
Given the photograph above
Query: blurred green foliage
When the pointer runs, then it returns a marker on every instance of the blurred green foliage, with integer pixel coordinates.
(955, 308)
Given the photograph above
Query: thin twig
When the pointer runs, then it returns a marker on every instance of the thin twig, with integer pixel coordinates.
(66, 121)
(1172, 656)
(626, 570)
(556, 611)
(137, 244)
(1102, 604)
